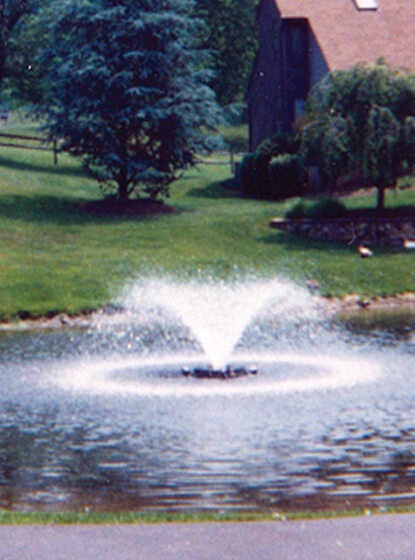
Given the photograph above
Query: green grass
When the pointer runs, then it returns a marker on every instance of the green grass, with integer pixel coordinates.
(236, 137)
(100, 518)
(54, 257)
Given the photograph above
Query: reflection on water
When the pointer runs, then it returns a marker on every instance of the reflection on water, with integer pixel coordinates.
(128, 432)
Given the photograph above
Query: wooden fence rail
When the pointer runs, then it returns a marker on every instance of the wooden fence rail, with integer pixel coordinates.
(231, 161)
(40, 139)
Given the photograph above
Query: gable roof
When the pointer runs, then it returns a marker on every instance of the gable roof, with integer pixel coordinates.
(347, 35)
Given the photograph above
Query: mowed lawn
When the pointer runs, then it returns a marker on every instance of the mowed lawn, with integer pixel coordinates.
(55, 257)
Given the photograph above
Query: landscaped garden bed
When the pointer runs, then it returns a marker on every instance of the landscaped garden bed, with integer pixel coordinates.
(388, 229)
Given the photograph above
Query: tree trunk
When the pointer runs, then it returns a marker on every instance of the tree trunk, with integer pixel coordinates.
(122, 174)
(381, 198)
(123, 193)
(123, 184)
(3, 51)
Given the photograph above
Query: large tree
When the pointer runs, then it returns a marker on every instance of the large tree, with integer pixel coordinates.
(25, 68)
(11, 13)
(231, 37)
(362, 121)
(130, 93)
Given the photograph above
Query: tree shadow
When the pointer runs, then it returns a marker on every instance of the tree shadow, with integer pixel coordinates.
(59, 210)
(217, 191)
(299, 243)
(293, 242)
(58, 169)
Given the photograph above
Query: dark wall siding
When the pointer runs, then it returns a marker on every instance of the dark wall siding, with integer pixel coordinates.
(264, 95)
(288, 63)
(296, 68)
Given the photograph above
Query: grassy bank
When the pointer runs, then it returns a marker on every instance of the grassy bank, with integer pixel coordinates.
(100, 518)
(55, 257)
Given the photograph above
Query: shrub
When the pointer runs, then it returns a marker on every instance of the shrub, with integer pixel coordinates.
(287, 176)
(299, 210)
(260, 169)
(254, 173)
(326, 208)
(247, 174)
(254, 169)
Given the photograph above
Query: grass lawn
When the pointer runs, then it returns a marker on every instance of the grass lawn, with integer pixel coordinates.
(54, 257)
(97, 518)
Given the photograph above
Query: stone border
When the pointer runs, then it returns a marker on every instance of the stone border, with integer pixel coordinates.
(354, 304)
(372, 231)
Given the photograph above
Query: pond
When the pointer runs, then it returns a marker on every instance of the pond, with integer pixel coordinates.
(101, 418)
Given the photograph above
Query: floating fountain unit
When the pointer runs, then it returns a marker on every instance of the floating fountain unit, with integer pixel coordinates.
(229, 372)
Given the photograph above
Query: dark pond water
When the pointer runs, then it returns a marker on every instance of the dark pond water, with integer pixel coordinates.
(87, 430)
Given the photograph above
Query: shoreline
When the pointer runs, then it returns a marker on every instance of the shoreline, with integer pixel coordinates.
(349, 306)
(353, 304)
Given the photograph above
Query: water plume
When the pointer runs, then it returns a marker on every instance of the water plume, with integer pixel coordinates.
(217, 314)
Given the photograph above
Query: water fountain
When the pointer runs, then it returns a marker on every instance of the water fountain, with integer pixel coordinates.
(216, 315)
(104, 417)
(215, 331)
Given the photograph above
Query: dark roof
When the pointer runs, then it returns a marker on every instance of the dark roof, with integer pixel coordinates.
(348, 36)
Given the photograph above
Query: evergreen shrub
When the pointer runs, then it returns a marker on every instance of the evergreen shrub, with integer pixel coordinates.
(255, 178)
(287, 176)
(327, 208)
(247, 174)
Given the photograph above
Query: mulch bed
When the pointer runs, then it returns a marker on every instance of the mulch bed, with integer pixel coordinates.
(386, 213)
(134, 207)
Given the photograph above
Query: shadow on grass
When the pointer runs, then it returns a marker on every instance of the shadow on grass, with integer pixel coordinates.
(216, 191)
(58, 210)
(293, 242)
(59, 169)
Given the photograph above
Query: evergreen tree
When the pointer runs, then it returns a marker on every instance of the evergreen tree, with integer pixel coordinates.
(130, 95)
(362, 120)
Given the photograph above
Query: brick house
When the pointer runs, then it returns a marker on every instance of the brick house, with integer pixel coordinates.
(301, 40)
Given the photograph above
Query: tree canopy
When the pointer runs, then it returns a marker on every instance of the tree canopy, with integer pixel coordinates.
(129, 91)
(362, 120)
(11, 14)
(231, 37)
(24, 65)
(229, 34)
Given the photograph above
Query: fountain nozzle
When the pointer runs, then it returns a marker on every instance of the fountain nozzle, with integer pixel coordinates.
(186, 371)
(229, 372)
